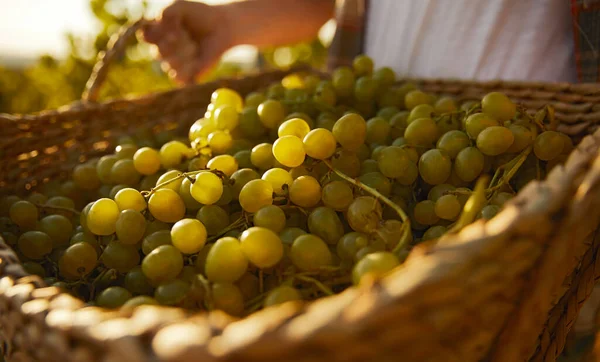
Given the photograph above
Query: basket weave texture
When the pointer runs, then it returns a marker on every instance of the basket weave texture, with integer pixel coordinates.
(505, 290)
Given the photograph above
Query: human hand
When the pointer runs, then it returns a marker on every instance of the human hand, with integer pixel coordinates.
(191, 37)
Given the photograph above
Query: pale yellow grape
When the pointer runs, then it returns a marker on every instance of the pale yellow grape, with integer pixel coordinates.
(289, 151)
(262, 157)
(188, 235)
(319, 144)
(281, 295)
(129, 198)
(201, 128)
(225, 261)
(226, 96)
(270, 113)
(224, 163)
(102, 217)
(256, 194)
(146, 161)
(166, 205)
(173, 175)
(375, 265)
(305, 191)
(220, 141)
(207, 189)
(226, 117)
(174, 153)
(278, 177)
(261, 246)
(294, 127)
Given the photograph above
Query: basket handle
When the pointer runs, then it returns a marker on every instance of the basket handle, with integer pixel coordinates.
(115, 48)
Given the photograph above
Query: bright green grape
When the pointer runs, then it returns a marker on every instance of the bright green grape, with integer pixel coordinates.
(162, 264)
(228, 298)
(350, 131)
(170, 180)
(262, 156)
(102, 217)
(24, 214)
(271, 217)
(424, 213)
(214, 218)
(495, 140)
(271, 113)
(420, 111)
(477, 122)
(294, 127)
(120, 257)
(104, 167)
(289, 151)
(226, 117)
(78, 260)
(362, 65)
(498, 106)
(220, 141)
(129, 198)
(453, 142)
(447, 207)
(325, 223)
(34, 244)
(305, 191)
(469, 164)
(226, 262)
(123, 172)
(278, 177)
(261, 246)
(136, 282)
(224, 163)
(522, 138)
(130, 227)
(364, 214)
(207, 188)
(422, 132)
(188, 235)
(337, 195)
(435, 166)
(319, 144)
(156, 239)
(310, 253)
(548, 145)
(374, 265)
(256, 194)
(86, 177)
(58, 228)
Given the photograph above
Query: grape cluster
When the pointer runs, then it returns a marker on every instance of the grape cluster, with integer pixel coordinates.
(296, 192)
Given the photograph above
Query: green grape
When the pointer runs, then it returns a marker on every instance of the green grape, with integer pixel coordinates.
(477, 122)
(368, 166)
(148, 182)
(224, 163)
(522, 138)
(104, 191)
(226, 96)
(378, 131)
(171, 292)
(384, 77)
(104, 167)
(62, 202)
(303, 116)
(548, 145)
(201, 129)
(123, 172)
(228, 298)
(447, 207)
(58, 228)
(495, 140)
(364, 214)
(271, 113)
(207, 188)
(343, 81)
(262, 156)
(434, 232)
(136, 282)
(445, 105)
(186, 196)
(254, 99)
(188, 235)
(398, 124)
(129, 198)
(162, 264)
(346, 162)
(250, 124)
(9, 238)
(166, 205)
(310, 253)
(34, 268)
(83, 216)
(374, 265)
(78, 260)
(350, 131)
(325, 94)
(102, 217)
(498, 106)
(244, 159)
(156, 239)
(220, 141)
(422, 132)
(365, 89)
(174, 153)
(501, 198)
(261, 246)
(337, 195)
(349, 244)
(294, 127)
(289, 151)
(305, 191)
(270, 217)
(125, 151)
(415, 98)
(226, 262)
(420, 111)
(139, 300)
(226, 117)
(395, 162)
(435, 166)
(281, 295)
(130, 227)
(377, 181)
(40, 199)
(326, 122)
(363, 153)
(325, 223)
(239, 144)
(86, 177)
(278, 177)
(156, 225)
(115, 189)
(387, 112)
(256, 194)
(6, 202)
(469, 164)
(146, 161)
(34, 244)
(424, 213)
(120, 257)
(319, 144)
(24, 214)
(453, 142)
(289, 234)
(390, 97)
(568, 144)
(240, 178)
(113, 297)
(362, 65)
(489, 211)
(214, 218)
(438, 191)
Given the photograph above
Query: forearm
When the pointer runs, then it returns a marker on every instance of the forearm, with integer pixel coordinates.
(266, 23)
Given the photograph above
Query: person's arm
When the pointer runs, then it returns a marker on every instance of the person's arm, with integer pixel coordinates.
(192, 36)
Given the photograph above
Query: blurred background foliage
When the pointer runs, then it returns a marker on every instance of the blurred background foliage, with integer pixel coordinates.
(51, 82)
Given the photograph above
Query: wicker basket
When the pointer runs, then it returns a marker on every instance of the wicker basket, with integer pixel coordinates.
(505, 290)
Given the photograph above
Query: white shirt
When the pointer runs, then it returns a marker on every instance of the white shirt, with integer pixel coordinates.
(473, 39)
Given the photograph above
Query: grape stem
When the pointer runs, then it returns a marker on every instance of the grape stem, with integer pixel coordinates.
(52, 207)
(176, 178)
(406, 237)
(322, 287)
